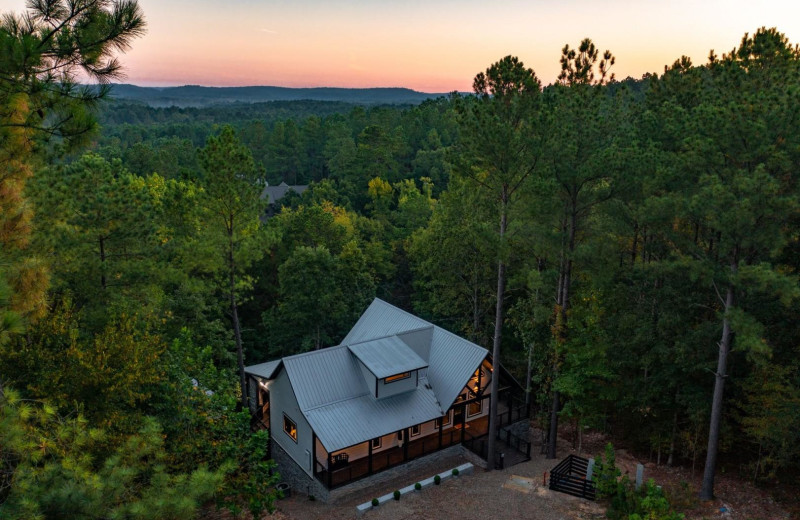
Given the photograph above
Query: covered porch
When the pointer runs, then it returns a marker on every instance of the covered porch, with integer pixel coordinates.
(467, 423)
(341, 467)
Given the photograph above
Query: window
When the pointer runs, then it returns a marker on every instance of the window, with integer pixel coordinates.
(400, 435)
(398, 377)
(474, 408)
(443, 421)
(415, 430)
(376, 443)
(290, 428)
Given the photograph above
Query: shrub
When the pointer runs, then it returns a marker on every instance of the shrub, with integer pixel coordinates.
(375, 502)
(437, 480)
(417, 486)
(455, 472)
(606, 473)
(396, 494)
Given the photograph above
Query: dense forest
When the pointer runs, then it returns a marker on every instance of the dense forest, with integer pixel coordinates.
(629, 248)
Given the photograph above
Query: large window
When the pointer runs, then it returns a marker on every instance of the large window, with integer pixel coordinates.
(444, 420)
(290, 428)
(398, 377)
(475, 407)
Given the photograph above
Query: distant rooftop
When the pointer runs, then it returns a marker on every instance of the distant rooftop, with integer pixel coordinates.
(276, 193)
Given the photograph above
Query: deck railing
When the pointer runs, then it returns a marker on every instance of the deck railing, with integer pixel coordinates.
(381, 460)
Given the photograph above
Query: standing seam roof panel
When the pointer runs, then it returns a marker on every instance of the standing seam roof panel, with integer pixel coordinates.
(265, 370)
(324, 376)
(347, 423)
(382, 319)
(453, 362)
(387, 356)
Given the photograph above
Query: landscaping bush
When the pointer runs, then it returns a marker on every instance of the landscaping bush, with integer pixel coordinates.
(396, 494)
(417, 486)
(437, 480)
(624, 501)
(455, 472)
(606, 473)
(375, 502)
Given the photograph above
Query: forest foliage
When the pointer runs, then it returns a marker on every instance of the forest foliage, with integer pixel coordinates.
(639, 228)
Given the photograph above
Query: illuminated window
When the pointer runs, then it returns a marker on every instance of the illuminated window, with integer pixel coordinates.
(415, 430)
(474, 408)
(398, 377)
(443, 421)
(290, 428)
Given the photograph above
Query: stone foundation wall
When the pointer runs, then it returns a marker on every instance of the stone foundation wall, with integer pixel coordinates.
(295, 476)
(396, 472)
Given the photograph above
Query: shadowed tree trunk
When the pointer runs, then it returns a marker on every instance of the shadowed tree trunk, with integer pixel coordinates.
(237, 331)
(498, 332)
(707, 491)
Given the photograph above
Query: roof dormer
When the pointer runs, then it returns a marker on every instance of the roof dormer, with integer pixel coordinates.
(389, 366)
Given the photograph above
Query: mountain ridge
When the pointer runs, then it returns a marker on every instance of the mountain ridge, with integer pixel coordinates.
(199, 96)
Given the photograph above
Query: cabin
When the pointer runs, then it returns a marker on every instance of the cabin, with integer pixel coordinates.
(397, 388)
(273, 194)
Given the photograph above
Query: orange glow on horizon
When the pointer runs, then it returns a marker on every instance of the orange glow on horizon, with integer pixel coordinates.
(434, 46)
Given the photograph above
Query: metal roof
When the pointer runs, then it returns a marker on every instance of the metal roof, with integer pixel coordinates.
(324, 376)
(266, 370)
(332, 393)
(453, 361)
(387, 356)
(382, 319)
(350, 422)
(275, 193)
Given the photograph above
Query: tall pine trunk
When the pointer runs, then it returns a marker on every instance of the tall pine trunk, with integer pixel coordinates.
(498, 332)
(565, 281)
(707, 491)
(237, 331)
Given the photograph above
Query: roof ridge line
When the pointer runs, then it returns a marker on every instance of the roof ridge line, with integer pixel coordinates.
(334, 402)
(428, 326)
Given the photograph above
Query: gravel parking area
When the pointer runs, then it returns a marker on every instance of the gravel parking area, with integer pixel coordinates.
(469, 496)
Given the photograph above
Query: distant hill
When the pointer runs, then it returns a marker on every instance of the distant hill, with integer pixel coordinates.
(197, 96)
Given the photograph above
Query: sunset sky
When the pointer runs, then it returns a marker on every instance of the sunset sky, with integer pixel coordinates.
(433, 46)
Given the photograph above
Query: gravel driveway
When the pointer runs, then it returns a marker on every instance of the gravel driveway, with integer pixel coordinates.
(481, 494)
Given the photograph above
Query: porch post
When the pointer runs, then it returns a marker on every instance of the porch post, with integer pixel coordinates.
(330, 467)
(510, 406)
(313, 452)
(369, 466)
(405, 445)
(441, 427)
(463, 422)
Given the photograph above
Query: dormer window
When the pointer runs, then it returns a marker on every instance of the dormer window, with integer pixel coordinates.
(397, 377)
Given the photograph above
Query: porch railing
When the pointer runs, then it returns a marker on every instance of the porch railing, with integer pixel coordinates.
(381, 460)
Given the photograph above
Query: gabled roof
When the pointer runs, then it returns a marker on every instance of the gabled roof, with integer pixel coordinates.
(334, 398)
(324, 376)
(382, 319)
(387, 356)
